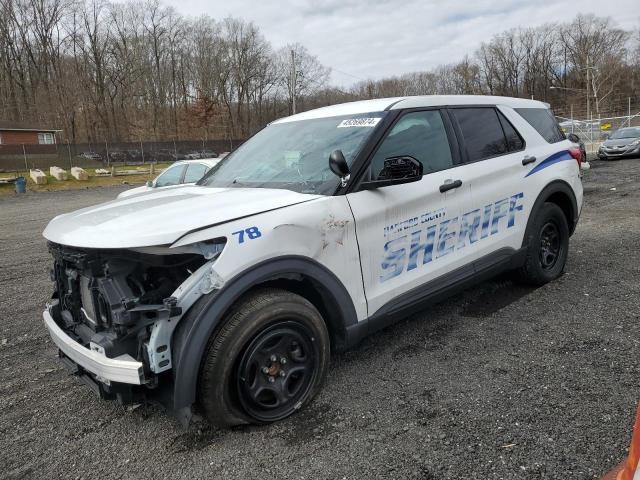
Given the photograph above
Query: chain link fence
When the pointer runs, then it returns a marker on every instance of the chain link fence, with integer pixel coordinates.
(98, 155)
(594, 131)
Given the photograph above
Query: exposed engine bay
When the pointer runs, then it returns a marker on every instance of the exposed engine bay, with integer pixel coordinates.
(109, 300)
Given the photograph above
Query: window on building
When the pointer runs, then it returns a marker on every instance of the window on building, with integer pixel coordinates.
(46, 139)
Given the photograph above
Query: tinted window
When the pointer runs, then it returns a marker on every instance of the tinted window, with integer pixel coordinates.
(420, 135)
(514, 140)
(633, 132)
(544, 122)
(195, 172)
(481, 131)
(171, 176)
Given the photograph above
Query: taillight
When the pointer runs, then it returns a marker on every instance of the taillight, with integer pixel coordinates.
(576, 153)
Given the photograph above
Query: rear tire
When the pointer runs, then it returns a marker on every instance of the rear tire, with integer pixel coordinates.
(547, 242)
(268, 359)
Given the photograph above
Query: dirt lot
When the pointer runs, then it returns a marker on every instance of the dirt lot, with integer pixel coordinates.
(499, 382)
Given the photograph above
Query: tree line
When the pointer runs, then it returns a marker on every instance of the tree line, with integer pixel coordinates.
(139, 70)
(136, 70)
(587, 67)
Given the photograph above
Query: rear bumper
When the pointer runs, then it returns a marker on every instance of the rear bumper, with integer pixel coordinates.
(123, 369)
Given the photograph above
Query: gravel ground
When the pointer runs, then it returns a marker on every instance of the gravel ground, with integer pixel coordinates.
(498, 382)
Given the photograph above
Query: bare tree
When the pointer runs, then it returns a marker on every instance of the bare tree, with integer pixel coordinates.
(138, 70)
(300, 73)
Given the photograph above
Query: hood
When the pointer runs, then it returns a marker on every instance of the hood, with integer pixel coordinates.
(618, 142)
(161, 217)
(133, 191)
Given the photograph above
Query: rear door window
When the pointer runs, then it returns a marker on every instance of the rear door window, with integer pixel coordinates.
(195, 171)
(544, 122)
(482, 132)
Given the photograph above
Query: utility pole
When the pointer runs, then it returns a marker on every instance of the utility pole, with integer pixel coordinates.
(588, 82)
(629, 109)
(69, 151)
(571, 117)
(293, 82)
(24, 154)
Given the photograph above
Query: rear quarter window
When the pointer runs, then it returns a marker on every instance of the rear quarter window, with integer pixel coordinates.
(544, 123)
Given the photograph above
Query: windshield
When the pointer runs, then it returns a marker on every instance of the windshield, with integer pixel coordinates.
(294, 155)
(627, 133)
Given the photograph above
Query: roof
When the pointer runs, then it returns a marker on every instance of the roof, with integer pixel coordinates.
(10, 125)
(395, 103)
(210, 162)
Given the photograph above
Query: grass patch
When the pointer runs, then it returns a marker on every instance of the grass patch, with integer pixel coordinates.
(94, 181)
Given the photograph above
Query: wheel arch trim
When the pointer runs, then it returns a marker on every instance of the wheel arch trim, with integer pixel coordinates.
(205, 316)
(556, 187)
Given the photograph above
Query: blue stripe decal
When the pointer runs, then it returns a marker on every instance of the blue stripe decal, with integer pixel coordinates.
(555, 158)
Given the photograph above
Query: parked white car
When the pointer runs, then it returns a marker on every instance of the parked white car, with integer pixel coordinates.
(319, 230)
(184, 172)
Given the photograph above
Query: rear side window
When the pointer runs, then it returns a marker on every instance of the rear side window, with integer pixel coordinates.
(482, 132)
(195, 172)
(544, 122)
(514, 140)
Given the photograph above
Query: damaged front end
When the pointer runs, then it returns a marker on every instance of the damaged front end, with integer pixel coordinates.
(113, 312)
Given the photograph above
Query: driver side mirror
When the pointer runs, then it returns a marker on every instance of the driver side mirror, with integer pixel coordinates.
(150, 183)
(573, 138)
(339, 166)
(396, 171)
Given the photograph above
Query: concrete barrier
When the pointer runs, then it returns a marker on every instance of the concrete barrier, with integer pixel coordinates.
(79, 174)
(58, 173)
(38, 177)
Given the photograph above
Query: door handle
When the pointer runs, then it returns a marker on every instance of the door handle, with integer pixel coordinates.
(450, 185)
(528, 160)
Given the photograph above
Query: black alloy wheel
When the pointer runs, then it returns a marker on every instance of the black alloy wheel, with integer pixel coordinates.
(547, 246)
(550, 245)
(268, 359)
(276, 370)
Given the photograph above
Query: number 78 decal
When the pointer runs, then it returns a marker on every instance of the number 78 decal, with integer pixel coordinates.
(251, 232)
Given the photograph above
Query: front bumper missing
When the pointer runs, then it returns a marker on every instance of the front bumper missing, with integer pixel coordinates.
(122, 369)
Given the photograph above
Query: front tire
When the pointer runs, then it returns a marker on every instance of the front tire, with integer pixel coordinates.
(547, 242)
(268, 360)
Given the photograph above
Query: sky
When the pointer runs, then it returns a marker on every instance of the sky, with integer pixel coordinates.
(371, 39)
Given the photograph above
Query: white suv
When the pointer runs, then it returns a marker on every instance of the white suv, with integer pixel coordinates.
(228, 296)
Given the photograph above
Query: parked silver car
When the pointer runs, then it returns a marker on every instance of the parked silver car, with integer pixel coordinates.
(185, 172)
(624, 142)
